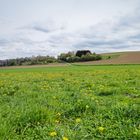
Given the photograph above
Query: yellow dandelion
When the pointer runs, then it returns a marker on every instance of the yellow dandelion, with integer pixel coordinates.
(78, 120)
(101, 129)
(56, 121)
(59, 114)
(65, 138)
(53, 134)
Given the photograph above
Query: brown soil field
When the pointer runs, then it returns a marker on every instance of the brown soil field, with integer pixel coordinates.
(121, 58)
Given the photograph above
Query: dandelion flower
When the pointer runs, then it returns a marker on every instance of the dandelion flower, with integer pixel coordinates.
(56, 121)
(59, 114)
(101, 129)
(53, 134)
(65, 138)
(78, 120)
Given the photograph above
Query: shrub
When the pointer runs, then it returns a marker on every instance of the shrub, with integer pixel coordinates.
(80, 56)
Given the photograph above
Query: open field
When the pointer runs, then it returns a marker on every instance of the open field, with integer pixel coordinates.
(70, 103)
(117, 58)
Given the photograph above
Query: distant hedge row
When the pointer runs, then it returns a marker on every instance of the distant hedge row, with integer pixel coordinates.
(79, 56)
(28, 61)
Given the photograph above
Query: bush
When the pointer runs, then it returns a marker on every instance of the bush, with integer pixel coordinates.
(71, 57)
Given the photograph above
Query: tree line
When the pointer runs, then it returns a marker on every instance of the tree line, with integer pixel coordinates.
(79, 56)
(34, 60)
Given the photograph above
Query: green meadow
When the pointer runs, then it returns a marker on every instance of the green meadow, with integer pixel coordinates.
(70, 103)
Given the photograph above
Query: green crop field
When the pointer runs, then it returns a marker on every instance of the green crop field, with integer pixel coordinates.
(70, 103)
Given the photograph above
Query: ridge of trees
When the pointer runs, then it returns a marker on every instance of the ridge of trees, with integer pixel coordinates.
(79, 56)
(70, 57)
(34, 60)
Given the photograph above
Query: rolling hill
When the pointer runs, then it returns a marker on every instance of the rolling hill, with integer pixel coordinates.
(117, 58)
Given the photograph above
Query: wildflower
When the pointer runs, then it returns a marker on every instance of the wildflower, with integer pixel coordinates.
(65, 138)
(53, 134)
(78, 120)
(101, 129)
(59, 114)
(56, 121)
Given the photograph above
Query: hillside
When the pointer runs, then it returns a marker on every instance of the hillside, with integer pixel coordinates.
(118, 58)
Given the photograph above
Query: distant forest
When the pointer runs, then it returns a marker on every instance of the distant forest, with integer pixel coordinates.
(70, 57)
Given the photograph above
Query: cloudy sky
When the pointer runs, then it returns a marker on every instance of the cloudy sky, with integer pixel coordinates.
(50, 27)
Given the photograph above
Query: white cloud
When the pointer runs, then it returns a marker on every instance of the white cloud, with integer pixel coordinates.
(52, 37)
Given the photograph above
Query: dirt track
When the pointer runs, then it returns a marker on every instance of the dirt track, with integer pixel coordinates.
(36, 66)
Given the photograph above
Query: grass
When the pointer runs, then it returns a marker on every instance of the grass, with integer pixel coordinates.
(70, 103)
(111, 55)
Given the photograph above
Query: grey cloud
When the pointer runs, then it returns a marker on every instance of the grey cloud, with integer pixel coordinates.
(3, 42)
(45, 27)
(41, 29)
(104, 37)
(135, 37)
(101, 42)
(123, 35)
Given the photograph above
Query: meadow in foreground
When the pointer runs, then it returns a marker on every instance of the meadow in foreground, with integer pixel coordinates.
(70, 103)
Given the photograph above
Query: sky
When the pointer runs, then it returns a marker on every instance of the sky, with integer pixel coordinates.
(50, 27)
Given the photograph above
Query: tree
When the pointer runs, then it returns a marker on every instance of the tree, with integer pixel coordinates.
(82, 52)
